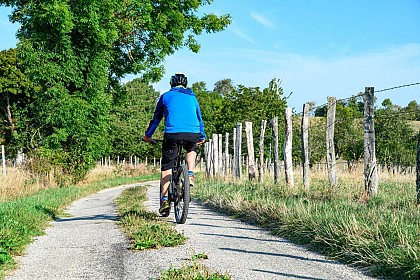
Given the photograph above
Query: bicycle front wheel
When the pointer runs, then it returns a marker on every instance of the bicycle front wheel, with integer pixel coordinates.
(182, 195)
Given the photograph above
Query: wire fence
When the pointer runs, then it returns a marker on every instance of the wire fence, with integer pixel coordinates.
(362, 125)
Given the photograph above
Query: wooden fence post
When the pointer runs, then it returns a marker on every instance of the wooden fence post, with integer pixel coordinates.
(370, 169)
(261, 162)
(418, 171)
(275, 126)
(234, 152)
(288, 140)
(332, 175)
(250, 146)
(305, 146)
(220, 156)
(215, 154)
(210, 160)
(238, 149)
(227, 167)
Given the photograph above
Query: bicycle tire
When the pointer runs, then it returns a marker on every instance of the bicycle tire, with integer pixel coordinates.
(182, 195)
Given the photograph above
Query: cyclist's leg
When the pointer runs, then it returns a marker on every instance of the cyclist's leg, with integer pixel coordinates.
(191, 148)
(169, 152)
(165, 179)
(190, 158)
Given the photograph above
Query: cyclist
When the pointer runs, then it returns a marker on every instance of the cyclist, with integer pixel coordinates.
(183, 122)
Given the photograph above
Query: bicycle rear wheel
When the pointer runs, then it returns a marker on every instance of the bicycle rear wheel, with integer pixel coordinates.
(182, 195)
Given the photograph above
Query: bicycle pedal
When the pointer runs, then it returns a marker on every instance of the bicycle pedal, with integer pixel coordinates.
(165, 214)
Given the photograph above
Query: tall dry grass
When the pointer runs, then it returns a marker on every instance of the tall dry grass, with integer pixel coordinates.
(381, 233)
(20, 182)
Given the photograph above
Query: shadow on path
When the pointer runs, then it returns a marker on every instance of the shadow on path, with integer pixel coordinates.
(279, 255)
(288, 275)
(246, 237)
(86, 218)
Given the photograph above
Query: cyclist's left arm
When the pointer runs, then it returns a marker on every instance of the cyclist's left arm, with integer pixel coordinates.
(157, 117)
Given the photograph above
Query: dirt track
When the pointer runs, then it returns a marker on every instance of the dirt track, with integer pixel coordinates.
(90, 245)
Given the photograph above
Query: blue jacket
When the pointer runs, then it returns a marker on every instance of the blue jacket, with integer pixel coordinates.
(179, 107)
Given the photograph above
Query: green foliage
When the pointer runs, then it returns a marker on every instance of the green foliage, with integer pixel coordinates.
(348, 135)
(195, 271)
(228, 105)
(130, 118)
(143, 227)
(395, 138)
(211, 105)
(317, 143)
(16, 95)
(413, 111)
(79, 50)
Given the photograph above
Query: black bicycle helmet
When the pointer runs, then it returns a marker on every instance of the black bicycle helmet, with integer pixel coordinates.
(179, 79)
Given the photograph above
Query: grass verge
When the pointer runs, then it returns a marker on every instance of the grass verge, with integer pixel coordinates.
(23, 218)
(147, 231)
(195, 271)
(145, 228)
(381, 234)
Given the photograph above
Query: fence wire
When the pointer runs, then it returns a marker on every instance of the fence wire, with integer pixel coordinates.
(361, 94)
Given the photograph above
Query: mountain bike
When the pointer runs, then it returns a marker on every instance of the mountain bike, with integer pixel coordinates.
(179, 187)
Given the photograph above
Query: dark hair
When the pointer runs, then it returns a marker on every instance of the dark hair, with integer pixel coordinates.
(179, 79)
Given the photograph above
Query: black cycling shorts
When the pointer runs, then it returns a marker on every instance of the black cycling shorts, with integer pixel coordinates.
(170, 146)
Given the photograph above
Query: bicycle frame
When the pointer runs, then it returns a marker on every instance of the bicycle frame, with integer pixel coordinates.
(179, 188)
(175, 176)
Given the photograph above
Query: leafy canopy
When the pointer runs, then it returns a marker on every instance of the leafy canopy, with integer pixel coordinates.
(77, 51)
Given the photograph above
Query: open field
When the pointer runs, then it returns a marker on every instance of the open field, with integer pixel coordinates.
(19, 181)
(415, 125)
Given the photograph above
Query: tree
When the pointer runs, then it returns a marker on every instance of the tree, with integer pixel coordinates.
(395, 139)
(79, 50)
(130, 118)
(16, 95)
(253, 104)
(348, 137)
(211, 105)
(228, 104)
(413, 111)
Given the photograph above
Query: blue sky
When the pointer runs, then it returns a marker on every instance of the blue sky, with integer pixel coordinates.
(317, 48)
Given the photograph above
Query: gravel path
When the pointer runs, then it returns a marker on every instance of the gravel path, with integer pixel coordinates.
(89, 245)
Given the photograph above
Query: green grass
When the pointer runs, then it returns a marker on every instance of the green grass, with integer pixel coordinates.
(23, 218)
(195, 271)
(147, 231)
(145, 228)
(381, 234)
